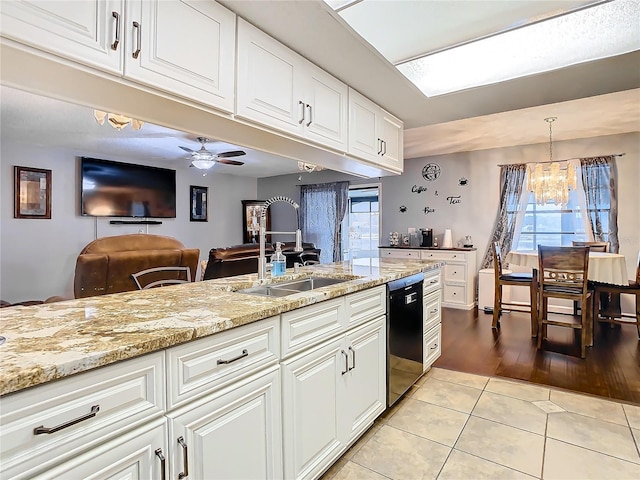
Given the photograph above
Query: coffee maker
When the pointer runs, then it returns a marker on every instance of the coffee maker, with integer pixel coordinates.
(427, 237)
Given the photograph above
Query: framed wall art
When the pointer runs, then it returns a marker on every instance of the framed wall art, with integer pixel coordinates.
(199, 209)
(251, 212)
(32, 188)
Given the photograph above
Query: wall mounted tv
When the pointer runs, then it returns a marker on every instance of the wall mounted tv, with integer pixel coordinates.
(115, 189)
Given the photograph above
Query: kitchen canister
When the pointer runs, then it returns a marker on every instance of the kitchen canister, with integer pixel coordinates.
(447, 241)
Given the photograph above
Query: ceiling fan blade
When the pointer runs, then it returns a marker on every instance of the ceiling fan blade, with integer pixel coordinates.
(229, 162)
(186, 149)
(234, 153)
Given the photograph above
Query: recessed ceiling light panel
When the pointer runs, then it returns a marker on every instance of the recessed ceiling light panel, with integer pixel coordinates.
(602, 31)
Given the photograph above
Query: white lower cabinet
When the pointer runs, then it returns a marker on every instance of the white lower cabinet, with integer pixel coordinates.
(312, 394)
(232, 434)
(140, 454)
(239, 406)
(332, 392)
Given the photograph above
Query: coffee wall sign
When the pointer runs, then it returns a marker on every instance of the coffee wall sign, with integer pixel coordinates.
(418, 189)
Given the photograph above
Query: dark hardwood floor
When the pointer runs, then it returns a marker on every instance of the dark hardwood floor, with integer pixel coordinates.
(611, 369)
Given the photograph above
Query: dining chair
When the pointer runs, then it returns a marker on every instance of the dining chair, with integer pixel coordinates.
(609, 311)
(529, 280)
(161, 276)
(563, 274)
(593, 247)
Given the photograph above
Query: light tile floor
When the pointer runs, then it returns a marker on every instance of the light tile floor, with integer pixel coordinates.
(458, 426)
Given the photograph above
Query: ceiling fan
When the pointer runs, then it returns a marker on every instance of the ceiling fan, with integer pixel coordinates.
(204, 159)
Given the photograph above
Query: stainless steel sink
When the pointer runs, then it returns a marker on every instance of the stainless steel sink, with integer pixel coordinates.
(296, 286)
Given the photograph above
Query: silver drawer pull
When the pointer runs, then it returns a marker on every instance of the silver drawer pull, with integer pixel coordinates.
(301, 103)
(346, 361)
(116, 41)
(42, 429)
(163, 463)
(137, 26)
(434, 347)
(435, 310)
(245, 353)
(433, 282)
(185, 456)
(353, 353)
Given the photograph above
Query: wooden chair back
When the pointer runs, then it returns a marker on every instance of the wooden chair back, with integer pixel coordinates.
(564, 270)
(497, 261)
(161, 276)
(593, 246)
(638, 270)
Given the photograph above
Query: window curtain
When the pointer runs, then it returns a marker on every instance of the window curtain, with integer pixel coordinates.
(512, 183)
(322, 208)
(598, 179)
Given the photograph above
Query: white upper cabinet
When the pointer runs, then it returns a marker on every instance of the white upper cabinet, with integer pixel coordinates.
(375, 134)
(279, 89)
(183, 47)
(89, 32)
(186, 48)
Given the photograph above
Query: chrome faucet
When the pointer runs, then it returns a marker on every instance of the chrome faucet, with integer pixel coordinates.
(262, 261)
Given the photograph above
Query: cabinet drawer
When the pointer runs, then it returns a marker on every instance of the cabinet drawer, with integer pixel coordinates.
(198, 367)
(432, 345)
(122, 396)
(432, 282)
(431, 310)
(447, 256)
(366, 305)
(455, 272)
(391, 253)
(454, 294)
(312, 324)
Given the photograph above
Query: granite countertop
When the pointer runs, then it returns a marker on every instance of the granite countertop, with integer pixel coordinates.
(459, 249)
(55, 340)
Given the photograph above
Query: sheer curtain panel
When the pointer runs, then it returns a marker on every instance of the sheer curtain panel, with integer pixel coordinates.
(598, 178)
(322, 208)
(512, 183)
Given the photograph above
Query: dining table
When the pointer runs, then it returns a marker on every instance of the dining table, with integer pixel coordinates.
(603, 267)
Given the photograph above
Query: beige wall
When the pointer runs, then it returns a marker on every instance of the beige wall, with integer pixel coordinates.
(475, 214)
(37, 257)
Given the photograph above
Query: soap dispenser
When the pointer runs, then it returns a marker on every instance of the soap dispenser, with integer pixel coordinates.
(278, 262)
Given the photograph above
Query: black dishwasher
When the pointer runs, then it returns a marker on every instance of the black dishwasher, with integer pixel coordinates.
(405, 342)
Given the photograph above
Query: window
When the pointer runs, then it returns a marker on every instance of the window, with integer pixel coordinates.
(361, 224)
(550, 224)
(559, 225)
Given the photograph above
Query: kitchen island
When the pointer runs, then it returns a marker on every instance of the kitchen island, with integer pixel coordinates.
(175, 357)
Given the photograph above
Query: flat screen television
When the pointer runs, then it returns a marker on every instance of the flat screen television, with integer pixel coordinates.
(116, 189)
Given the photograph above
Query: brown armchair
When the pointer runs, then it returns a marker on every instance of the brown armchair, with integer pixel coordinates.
(105, 265)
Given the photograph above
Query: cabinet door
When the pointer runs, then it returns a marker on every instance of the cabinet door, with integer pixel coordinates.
(365, 382)
(268, 84)
(312, 392)
(325, 108)
(186, 48)
(81, 31)
(137, 455)
(363, 130)
(235, 434)
(391, 133)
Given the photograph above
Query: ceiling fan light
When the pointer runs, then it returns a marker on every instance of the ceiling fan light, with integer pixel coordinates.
(118, 121)
(202, 164)
(136, 124)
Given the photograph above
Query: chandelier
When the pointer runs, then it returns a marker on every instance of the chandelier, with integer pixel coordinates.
(309, 167)
(116, 120)
(551, 181)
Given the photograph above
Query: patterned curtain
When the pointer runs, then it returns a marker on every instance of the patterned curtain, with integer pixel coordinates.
(598, 178)
(322, 208)
(512, 181)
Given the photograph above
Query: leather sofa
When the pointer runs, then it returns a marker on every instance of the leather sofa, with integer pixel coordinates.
(243, 259)
(105, 265)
